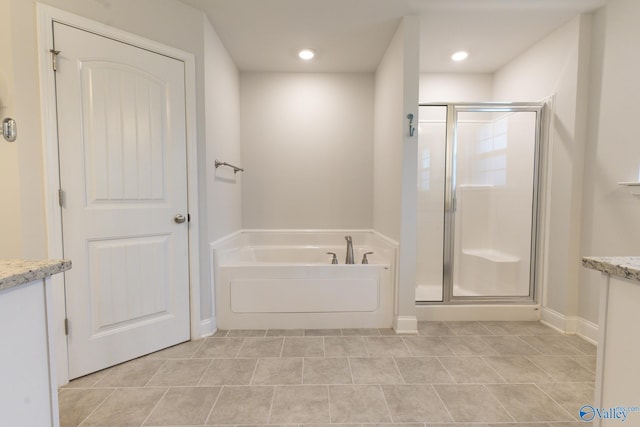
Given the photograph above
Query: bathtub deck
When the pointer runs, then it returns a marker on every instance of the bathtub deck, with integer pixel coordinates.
(453, 372)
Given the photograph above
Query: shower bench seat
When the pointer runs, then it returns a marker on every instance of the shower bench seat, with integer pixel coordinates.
(491, 255)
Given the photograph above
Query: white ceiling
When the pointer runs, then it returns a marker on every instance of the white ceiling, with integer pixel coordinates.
(352, 35)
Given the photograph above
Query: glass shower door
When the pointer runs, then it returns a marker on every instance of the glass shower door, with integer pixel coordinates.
(477, 202)
(432, 141)
(493, 209)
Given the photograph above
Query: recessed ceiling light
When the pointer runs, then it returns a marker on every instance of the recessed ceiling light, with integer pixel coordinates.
(306, 54)
(459, 56)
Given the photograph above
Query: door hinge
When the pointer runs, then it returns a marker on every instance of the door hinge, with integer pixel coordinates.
(61, 197)
(54, 59)
(66, 327)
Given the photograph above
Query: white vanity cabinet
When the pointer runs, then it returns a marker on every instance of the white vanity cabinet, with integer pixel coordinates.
(617, 393)
(28, 390)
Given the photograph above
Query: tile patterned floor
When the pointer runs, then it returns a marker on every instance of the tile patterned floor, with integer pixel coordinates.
(476, 374)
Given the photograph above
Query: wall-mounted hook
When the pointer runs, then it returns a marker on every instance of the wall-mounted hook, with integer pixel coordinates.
(411, 128)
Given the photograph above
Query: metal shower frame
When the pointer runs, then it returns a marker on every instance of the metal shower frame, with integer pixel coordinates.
(450, 200)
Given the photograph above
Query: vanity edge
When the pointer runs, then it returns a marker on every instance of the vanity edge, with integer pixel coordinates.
(624, 267)
(16, 272)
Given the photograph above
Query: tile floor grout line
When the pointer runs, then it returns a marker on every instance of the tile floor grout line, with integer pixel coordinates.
(156, 373)
(557, 403)
(155, 406)
(239, 348)
(581, 353)
(494, 369)
(449, 347)
(406, 347)
(253, 373)
(585, 367)
(196, 349)
(534, 349)
(395, 363)
(329, 402)
(97, 406)
(442, 402)
(353, 381)
(446, 370)
(500, 403)
(411, 354)
(198, 383)
(386, 404)
(544, 370)
(206, 420)
(273, 398)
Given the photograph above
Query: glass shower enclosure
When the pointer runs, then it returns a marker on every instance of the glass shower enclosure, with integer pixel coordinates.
(478, 176)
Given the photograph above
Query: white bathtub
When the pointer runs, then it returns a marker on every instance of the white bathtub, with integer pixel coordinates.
(285, 280)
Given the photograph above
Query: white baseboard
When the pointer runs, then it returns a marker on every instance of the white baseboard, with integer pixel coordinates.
(470, 312)
(588, 330)
(208, 327)
(573, 325)
(406, 325)
(558, 321)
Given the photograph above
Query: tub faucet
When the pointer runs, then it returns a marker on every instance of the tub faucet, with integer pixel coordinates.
(349, 259)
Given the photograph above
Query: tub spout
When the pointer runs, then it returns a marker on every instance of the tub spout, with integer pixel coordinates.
(349, 259)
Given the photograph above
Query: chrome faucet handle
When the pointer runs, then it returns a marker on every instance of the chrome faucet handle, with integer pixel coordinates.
(334, 260)
(364, 257)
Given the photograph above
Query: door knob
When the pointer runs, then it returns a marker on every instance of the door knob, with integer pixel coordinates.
(179, 219)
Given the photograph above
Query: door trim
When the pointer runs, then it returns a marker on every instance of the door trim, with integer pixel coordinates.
(46, 15)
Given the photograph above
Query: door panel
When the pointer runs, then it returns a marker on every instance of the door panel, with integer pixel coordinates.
(114, 264)
(122, 142)
(123, 104)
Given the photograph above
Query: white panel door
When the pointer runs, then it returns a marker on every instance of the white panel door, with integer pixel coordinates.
(122, 142)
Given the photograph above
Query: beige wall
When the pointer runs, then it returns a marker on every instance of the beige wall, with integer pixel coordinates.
(557, 67)
(611, 224)
(222, 208)
(456, 87)
(307, 147)
(10, 216)
(222, 101)
(26, 193)
(389, 129)
(394, 159)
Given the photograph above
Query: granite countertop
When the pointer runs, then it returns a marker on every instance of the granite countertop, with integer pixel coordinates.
(626, 267)
(16, 272)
